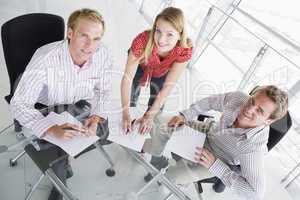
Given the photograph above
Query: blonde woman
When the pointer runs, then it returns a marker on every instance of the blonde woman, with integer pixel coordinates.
(157, 57)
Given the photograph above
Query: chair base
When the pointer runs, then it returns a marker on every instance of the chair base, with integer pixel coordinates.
(148, 177)
(18, 126)
(110, 172)
(55, 195)
(69, 171)
(34, 187)
(218, 187)
(14, 161)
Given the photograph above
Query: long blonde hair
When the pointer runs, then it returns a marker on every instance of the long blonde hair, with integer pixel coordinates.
(176, 18)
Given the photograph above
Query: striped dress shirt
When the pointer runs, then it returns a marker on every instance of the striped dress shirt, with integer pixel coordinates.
(52, 78)
(246, 147)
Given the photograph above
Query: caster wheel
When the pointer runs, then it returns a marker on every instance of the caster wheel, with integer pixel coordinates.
(218, 187)
(148, 177)
(110, 172)
(11, 163)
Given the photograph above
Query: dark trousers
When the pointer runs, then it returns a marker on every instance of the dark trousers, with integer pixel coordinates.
(54, 152)
(156, 85)
(59, 165)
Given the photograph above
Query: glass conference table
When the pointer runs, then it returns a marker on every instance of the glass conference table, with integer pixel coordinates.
(89, 181)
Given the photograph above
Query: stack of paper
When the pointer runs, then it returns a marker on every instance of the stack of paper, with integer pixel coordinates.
(132, 140)
(184, 142)
(71, 146)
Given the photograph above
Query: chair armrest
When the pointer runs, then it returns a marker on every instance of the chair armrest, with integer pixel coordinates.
(202, 117)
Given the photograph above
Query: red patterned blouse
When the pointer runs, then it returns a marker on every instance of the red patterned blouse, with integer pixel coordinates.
(156, 67)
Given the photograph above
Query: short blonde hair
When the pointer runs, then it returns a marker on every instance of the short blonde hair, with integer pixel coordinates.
(85, 13)
(176, 18)
(279, 97)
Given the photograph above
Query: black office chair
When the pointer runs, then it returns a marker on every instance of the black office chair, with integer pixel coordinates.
(277, 130)
(21, 37)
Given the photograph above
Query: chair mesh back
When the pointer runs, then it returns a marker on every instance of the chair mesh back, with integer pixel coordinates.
(278, 129)
(23, 35)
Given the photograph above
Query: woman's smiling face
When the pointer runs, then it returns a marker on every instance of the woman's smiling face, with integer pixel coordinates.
(165, 37)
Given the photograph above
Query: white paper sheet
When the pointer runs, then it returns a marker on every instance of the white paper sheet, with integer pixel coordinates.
(184, 142)
(134, 140)
(71, 146)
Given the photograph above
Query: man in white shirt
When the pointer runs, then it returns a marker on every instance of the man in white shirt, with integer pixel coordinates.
(65, 72)
(239, 138)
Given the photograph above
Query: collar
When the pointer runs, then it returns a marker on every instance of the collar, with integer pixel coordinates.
(67, 55)
(174, 51)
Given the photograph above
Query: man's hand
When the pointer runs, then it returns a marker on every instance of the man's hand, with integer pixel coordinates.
(91, 124)
(204, 157)
(65, 131)
(176, 121)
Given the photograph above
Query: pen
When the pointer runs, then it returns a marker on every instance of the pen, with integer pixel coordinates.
(132, 123)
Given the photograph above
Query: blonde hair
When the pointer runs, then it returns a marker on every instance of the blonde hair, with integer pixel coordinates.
(85, 13)
(176, 18)
(279, 97)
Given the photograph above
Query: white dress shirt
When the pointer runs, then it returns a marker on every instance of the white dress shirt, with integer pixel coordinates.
(52, 78)
(246, 147)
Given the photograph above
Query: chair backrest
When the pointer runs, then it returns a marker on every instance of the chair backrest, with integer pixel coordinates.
(278, 129)
(22, 36)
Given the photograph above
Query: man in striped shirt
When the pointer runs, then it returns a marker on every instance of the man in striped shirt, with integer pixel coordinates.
(239, 138)
(64, 72)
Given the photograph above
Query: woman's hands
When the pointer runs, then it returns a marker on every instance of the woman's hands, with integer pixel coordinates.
(145, 123)
(126, 123)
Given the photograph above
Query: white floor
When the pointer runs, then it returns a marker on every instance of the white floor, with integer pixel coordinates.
(90, 181)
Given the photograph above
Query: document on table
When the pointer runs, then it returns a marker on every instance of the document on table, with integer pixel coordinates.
(71, 146)
(184, 142)
(133, 140)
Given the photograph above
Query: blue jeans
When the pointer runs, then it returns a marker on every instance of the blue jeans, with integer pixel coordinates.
(155, 86)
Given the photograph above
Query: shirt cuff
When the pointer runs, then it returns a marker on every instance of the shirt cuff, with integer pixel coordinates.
(219, 168)
(188, 114)
(41, 126)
